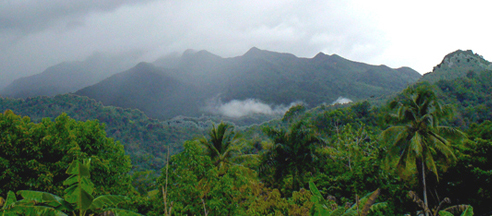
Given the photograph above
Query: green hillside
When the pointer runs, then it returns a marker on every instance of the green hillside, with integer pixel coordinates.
(144, 139)
(353, 159)
(471, 95)
(147, 88)
(457, 64)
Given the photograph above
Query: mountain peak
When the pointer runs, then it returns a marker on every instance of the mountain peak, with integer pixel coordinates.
(460, 58)
(189, 52)
(459, 52)
(456, 64)
(254, 51)
(320, 55)
(144, 66)
(199, 55)
(258, 53)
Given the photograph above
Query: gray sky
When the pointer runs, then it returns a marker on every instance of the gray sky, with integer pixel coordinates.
(37, 34)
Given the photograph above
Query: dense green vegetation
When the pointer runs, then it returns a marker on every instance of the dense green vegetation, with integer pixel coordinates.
(428, 150)
(456, 65)
(144, 139)
(36, 155)
(470, 95)
(78, 197)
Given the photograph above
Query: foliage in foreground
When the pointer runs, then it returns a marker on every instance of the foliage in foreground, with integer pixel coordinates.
(78, 197)
(349, 161)
(35, 155)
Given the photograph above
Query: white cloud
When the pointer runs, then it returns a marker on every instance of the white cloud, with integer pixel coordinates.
(341, 100)
(241, 108)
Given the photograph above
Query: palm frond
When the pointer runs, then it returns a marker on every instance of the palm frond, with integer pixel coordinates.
(430, 163)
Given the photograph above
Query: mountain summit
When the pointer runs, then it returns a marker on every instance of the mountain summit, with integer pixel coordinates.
(148, 88)
(457, 64)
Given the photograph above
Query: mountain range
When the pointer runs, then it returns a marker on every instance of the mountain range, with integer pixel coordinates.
(166, 85)
(198, 81)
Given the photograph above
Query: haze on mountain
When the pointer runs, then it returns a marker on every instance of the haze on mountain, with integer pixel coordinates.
(148, 88)
(457, 64)
(38, 34)
(69, 77)
(189, 84)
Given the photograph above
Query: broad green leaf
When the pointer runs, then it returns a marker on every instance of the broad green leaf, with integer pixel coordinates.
(321, 211)
(101, 202)
(468, 212)
(317, 198)
(337, 212)
(9, 200)
(77, 168)
(445, 213)
(78, 196)
(42, 197)
(36, 210)
(81, 187)
(71, 180)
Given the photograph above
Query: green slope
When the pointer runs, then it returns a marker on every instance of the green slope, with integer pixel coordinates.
(457, 64)
(148, 88)
(145, 139)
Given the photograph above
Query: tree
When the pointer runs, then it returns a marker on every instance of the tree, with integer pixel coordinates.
(468, 181)
(34, 156)
(418, 138)
(221, 145)
(195, 184)
(294, 112)
(293, 152)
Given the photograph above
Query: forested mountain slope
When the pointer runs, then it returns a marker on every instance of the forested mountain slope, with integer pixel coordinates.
(471, 95)
(144, 139)
(457, 64)
(148, 88)
(183, 85)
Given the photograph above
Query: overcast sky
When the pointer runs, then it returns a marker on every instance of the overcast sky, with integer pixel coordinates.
(37, 34)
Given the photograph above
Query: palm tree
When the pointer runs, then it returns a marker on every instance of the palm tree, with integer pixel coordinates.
(418, 138)
(293, 152)
(222, 143)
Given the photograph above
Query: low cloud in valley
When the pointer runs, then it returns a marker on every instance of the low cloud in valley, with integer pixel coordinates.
(241, 108)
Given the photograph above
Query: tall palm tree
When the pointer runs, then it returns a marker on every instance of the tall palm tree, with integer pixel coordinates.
(223, 141)
(293, 152)
(418, 138)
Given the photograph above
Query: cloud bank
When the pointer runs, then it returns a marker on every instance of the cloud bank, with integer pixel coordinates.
(241, 108)
(341, 100)
(35, 35)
